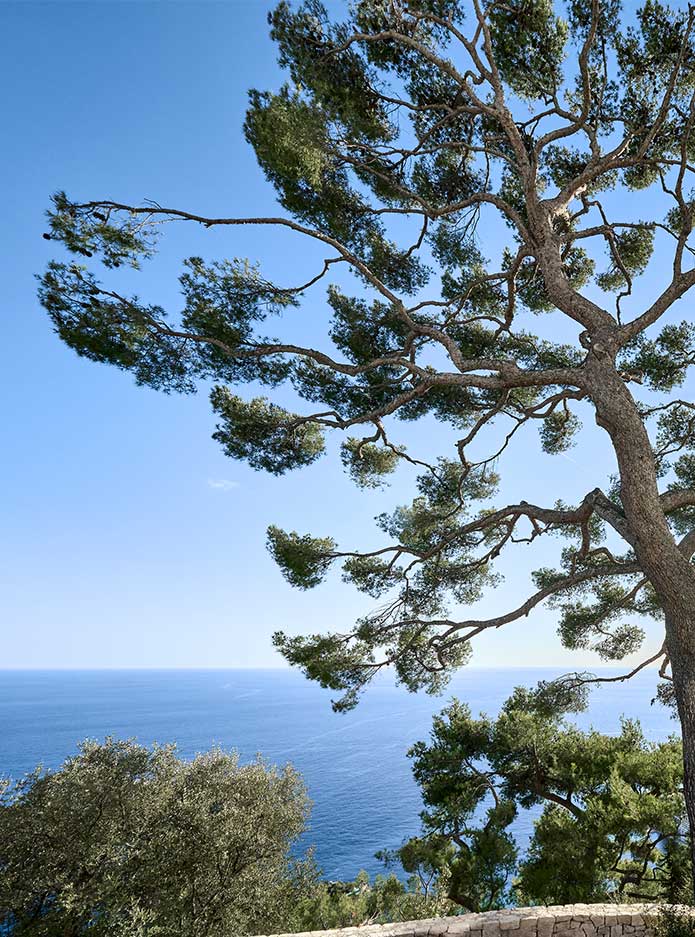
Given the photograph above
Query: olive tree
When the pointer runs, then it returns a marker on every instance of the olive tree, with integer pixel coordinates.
(406, 132)
(126, 840)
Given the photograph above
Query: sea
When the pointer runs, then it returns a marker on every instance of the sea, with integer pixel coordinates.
(354, 764)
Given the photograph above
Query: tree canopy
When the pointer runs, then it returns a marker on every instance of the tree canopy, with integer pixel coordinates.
(125, 840)
(610, 820)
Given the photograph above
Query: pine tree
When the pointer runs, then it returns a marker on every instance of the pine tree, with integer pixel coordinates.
(403, 134)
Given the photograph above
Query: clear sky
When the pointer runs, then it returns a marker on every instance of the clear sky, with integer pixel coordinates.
(128, 539)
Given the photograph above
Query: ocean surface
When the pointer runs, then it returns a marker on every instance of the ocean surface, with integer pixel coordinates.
(354, 764)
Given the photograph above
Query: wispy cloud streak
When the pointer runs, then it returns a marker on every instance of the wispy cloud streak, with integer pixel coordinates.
(222, 484)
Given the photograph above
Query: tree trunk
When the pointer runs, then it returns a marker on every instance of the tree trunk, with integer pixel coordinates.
(669, 570)
(683, 671)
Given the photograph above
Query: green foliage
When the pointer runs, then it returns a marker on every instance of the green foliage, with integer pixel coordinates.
(341, 83)
(124, 840)
(578, 268)
(362, 330)
(683, 519)
(663, 361)
(592, 609)
(268, 436)
(676, 429)
(370, 574)
(613, 822)
(367, 463)
(681, 217)
(428, 525)
(581, 18)
(529, 41)
(87, 230)
(290, 138)
(223, 302)
(383, 901)
(564, 164)
(630, 252)
(673, 921)
(558, 430)
(292, 141)
(333, 662)
(581, 624)
(304, 561)
(649, 51)
(130, 841)
(106, 328)
(445, 178)
(552, 698)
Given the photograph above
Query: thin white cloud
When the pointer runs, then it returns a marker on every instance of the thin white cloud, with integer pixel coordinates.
(222, 484)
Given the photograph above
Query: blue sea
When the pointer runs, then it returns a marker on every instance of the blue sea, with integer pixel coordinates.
(354, 764)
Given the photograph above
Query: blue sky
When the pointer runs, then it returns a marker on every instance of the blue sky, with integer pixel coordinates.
(128, 538)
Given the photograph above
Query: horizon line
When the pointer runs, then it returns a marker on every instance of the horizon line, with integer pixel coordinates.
(279, 667)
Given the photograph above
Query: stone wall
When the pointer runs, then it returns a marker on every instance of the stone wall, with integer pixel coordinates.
(574, 920)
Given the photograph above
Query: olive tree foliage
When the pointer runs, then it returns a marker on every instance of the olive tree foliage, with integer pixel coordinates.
(406, 131)
(611, 821)
(125, 840)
